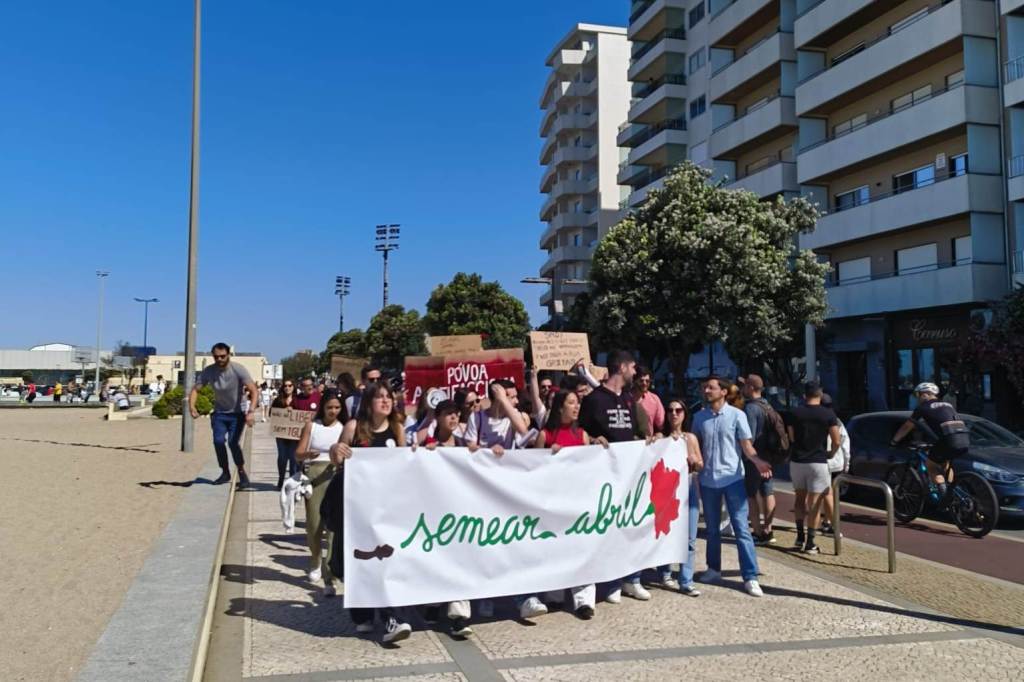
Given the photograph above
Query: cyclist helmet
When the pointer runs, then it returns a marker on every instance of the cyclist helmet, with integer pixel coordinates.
(927, 387)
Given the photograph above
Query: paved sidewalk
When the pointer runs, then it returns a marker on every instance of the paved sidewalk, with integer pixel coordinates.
(273, 625)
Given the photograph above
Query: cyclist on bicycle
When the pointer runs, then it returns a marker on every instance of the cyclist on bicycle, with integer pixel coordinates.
(939, 422)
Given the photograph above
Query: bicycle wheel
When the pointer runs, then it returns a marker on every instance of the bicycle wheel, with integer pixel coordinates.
(973, 504)
(909, 492)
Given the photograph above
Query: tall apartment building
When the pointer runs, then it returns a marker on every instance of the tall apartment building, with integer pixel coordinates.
(894, 118)
(585, 98)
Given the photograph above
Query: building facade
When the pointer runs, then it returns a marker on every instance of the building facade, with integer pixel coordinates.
(585, 98)
(903, 121)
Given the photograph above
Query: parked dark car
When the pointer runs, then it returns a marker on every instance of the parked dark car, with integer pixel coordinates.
(995, 453)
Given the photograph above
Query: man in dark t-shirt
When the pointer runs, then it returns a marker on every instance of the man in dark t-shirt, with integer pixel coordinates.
(943, 426)
(809, 427)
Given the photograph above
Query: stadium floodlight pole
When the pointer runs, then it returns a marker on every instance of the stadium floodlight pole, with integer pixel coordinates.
(386, 241)
(145, 331)
(187, 423)
(341, 290)
(101, 275)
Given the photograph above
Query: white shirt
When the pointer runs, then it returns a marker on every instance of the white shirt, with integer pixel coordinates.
(321, 438)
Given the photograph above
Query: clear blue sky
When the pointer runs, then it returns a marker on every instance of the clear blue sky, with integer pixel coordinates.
(321, 118)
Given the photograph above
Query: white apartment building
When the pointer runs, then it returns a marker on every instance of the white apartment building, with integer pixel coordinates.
(585, 98)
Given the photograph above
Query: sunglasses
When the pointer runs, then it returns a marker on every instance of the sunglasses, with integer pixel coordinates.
(219, 357)
(676, 410)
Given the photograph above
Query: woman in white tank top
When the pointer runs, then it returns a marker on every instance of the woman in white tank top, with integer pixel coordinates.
(314, 447)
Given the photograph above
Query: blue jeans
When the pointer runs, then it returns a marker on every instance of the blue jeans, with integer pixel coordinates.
(227, 431)
(736, 503)
(286, 457)
(693, 514)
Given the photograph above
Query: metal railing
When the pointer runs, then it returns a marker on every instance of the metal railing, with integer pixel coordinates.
(652, 130)
(677, 33)
(919, 185)
(1014, 69)
(750, 110)
(782, 156)
(1015, 166)
(643, 7)
(832, 280)
(647, 90)
(890, 513)
(1018, 263)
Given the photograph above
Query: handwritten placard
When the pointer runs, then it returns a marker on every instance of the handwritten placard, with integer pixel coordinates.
(449, 345)
(287, 423)
(559, 350)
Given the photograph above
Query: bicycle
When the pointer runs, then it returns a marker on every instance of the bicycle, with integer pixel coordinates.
(970, 500)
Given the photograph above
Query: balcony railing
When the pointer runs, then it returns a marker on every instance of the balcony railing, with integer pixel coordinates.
(1018, 263)
(782, 156)
(1014, 69)
(832, 135)
(1015, 166)
(641, 8)
(750, 49)
(676, 33)
(647, 90)
(903, 190)
(654, 129)
(751, 109)
(887, 33)
(832, 279)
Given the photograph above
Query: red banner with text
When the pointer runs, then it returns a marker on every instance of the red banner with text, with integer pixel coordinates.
(472, 371)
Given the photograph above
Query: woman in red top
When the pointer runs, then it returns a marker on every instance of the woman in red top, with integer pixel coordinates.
(562, 428)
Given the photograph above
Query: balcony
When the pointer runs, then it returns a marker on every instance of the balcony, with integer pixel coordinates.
(550, 114)
(564, 188)
(739, 18)
(654, 63)
(629, 172)
(656, 180)
(890, 212)
(569, 121)
(655, 102)
(571, 154)
(655, 148)
(548, 179)
(769, 119)
(946, 284)
(753, 69)
(669, 33)
(564, 221)
(820, 23)
(887, 134)
(774, 178)
(1013, 88)
(891, 56)
(651, 18)
(581, 88)
(1015, 181)
(635, 135)
(568, 61)
(565, 254)
(1011, 6)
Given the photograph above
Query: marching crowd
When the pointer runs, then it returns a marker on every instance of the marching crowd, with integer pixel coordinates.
(733, 442)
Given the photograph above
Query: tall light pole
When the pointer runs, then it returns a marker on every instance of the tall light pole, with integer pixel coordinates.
(187, 425)
(145, 332)
(386, 241)
(101, 275)
(341, 290)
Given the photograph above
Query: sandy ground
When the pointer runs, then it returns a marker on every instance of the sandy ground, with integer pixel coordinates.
(77, 519)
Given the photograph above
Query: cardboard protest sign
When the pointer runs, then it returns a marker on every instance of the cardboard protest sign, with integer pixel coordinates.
(472, 371)
(287, 423)
(342, 363)
(447, 345)
(559, 350)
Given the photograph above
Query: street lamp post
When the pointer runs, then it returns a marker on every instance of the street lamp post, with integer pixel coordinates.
(386, 241)
(187, 424)
(341, 290)
(145, 332)
(101, 275)
(557, 316)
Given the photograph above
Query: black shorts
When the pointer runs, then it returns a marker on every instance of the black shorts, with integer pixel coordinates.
(943, 454)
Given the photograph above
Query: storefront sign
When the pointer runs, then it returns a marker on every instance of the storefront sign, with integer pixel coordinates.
(916, 332)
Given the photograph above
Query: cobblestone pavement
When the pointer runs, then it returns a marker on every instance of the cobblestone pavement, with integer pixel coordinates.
(273, 625)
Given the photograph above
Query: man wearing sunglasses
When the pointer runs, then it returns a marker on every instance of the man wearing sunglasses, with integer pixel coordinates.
(228, 380)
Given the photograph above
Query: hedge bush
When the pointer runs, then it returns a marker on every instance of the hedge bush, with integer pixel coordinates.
(170, 403)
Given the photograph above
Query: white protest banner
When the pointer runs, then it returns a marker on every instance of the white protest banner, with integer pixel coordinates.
(287, 423)
(424, 526)
(559, 350)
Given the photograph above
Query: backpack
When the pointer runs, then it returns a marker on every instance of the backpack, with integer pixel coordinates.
(774, 440)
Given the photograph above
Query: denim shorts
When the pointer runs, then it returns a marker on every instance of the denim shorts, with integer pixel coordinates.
(753, 482)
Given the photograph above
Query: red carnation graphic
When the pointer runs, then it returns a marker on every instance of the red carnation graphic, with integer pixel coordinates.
(664, 484)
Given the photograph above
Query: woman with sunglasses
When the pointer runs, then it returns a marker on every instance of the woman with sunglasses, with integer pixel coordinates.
(315, 443)
(285, 446)
(676, 418)
(378, 424)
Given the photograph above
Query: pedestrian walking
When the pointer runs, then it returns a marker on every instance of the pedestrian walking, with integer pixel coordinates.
(266, 398)
(286, 447)
(810, 426)
(229, 381)
(839, 463)
(369, 374)
(770, 442)
(724, 433)
(308, 398)
(675, 427)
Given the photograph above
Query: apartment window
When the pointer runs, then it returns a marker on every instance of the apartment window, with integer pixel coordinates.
(962, 250)
(854, 123)
(853, 271)
(843, 56)
(920, 177)
(917, 259)
(900, 25)
(911, 98)
(955, 79)
(697, 60)
(698, 107)
(854, 197)
(957, 165)
(696, 14)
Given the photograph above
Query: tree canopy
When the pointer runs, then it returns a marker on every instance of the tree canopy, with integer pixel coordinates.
(468, 305)
(351, 343)
(300, 364)
(393, 334)
(1002, 343)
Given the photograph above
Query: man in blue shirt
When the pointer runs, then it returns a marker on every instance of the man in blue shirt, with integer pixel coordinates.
(723, 432)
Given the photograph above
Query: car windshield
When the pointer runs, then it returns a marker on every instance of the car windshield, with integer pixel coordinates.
(986, 434)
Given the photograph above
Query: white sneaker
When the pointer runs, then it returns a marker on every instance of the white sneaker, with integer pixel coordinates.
(330, 590)
(315, 575)
(395, 631)
(670, 583)
(365, 628)
(636, 591)
(710, 576)
(752, 588)
(532, 608)
(614, 597)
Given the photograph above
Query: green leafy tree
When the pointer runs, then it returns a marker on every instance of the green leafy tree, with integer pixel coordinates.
(468, 305)
(393, 334)
(697, 263)
(1002, 343)
(303, 363)
(350, 343)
